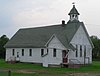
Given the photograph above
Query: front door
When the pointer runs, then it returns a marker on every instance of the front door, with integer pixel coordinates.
(64, 56)
(17, 58)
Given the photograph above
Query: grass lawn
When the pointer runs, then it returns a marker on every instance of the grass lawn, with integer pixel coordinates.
(3, 73)
(26, 69)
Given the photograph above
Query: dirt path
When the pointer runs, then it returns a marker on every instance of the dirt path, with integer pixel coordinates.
(45, 72)
(84, 74)
(65, 74)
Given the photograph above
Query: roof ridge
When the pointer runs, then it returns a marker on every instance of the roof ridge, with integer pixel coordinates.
(40, 27)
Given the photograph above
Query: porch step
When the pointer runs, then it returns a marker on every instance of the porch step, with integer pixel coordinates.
(11, 62)
(64, 65)
(74, 65)
(51, 65)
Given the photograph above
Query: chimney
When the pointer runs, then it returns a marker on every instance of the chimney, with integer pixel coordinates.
(63, 22)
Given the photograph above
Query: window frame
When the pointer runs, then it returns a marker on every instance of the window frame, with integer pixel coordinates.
(22, 52)
(54, 52)
(76, 51)
(80, 50)
(13, 52)
(84, 51)
(47, 50)
(42, 52)
(30, 52)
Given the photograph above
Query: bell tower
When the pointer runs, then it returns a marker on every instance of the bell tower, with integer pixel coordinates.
(73, 13)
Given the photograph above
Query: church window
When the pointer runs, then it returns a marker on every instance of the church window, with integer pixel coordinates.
(42, 52)
(47, 50)
(30, 52)
(76, 50)
(54, 52)
(80, 50)
(13, 52)
(84, 51)
(22, 52)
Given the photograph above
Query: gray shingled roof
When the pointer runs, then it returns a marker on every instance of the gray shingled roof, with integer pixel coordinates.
(38, 37)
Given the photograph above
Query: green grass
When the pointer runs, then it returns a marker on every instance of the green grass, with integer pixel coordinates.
(38, 70)
(21, 74)
(3, 73)
(3, 64)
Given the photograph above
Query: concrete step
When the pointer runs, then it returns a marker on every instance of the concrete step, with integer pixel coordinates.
(74, 65)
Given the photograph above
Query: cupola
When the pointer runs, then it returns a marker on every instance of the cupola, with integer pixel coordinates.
(73, 14)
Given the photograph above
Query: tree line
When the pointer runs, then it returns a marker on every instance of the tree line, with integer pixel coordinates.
(95, 53)
(3, 40)
(96, 49)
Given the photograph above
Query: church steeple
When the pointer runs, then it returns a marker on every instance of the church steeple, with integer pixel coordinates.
(73, 13)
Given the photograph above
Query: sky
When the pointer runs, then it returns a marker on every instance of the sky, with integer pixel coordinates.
(16, 14)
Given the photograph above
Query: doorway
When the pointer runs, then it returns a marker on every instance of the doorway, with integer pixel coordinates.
(64, 56)
(17, 58)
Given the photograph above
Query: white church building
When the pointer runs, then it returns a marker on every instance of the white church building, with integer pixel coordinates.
(61, 44)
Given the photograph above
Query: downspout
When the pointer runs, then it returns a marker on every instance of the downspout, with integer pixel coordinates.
(46, 53)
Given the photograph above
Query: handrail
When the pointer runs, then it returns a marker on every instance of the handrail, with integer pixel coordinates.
(74, 59)
(71, 61)
(11, 59)
(45, 54)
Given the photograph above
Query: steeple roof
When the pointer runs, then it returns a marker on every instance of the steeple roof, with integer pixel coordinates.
(73, 11)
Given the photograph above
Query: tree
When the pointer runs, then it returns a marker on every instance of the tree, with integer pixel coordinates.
(3, 40)
(96, 49)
